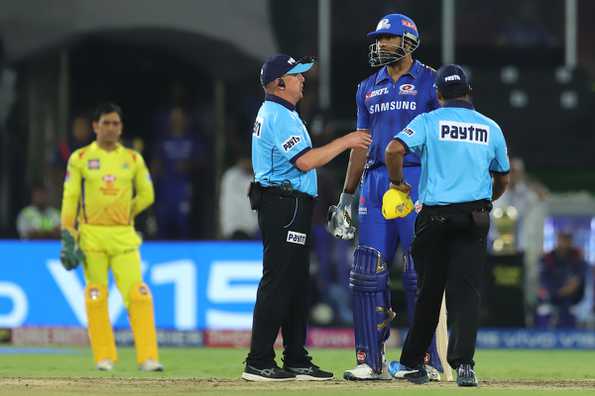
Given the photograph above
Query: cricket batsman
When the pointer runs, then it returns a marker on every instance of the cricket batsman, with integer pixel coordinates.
(386, 102)
(106, 187)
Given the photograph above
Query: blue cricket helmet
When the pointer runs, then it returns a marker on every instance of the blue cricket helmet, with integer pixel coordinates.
(393, 25)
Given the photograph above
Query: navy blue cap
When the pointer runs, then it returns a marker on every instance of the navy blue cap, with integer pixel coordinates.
(395, 25)
(452, 81)
(279, 65)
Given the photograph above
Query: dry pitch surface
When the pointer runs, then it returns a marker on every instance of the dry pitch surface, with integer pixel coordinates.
(215, 372)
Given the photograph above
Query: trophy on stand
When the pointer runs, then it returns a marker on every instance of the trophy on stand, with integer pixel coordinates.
(505, 222)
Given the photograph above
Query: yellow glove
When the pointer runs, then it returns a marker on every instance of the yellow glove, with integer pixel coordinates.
(396, 204)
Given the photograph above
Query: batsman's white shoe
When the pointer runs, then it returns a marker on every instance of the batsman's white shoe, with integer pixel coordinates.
(105, 365)
(433, 373)
(363, 372)
(150, 365)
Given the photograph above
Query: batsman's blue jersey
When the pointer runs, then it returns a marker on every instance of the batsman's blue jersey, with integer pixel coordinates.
(279, 138)
(385, 107)
(459, 147)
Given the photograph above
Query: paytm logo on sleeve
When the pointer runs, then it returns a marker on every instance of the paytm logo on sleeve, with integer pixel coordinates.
(464, 132)
(291, 142)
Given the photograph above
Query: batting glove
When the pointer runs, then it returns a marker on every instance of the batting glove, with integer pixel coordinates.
(339, 218)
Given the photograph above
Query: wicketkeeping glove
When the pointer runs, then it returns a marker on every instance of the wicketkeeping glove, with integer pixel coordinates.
(70, 254)
(339, 218)
(396, 204)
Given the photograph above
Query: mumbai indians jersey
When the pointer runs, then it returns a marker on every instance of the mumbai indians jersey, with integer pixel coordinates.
(385, 107)
(459, 147)
(279, 138)
(105, 187)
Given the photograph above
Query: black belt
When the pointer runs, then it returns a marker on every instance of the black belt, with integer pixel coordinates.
(480, 205)
(286, 192)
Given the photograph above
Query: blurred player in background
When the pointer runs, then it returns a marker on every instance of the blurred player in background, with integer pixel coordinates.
(386, 102)
(39, 220)
(106, 186)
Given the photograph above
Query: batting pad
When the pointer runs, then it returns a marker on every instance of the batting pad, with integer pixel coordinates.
(142, 321)
(101, 335)
(372, 314)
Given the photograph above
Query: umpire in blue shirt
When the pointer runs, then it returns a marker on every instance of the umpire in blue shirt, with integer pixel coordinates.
(465, 167)
(284, 190)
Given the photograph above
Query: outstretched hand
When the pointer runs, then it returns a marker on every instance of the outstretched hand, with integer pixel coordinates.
(357, 139)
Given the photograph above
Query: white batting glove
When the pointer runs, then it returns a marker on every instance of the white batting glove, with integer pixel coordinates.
(339, 218)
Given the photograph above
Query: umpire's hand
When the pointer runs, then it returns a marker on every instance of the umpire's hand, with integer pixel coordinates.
(396, 202)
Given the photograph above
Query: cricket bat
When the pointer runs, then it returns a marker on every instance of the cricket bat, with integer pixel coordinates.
(442, 342)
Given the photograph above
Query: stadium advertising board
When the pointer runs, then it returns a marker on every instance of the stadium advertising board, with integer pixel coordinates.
(195, 285)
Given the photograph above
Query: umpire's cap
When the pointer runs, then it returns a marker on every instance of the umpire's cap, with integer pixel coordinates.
(279, 65)
(395, 25)
(452, 82)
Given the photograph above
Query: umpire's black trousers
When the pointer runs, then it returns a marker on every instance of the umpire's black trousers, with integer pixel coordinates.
(281, 301)
(449, 252)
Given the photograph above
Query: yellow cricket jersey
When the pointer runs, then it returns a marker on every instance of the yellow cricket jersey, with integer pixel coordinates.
(105, 187)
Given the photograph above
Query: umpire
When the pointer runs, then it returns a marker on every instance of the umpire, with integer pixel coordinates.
(464, 168)
(283, 193)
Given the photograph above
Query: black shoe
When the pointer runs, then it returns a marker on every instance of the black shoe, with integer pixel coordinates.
(311, 372)
(417, 375)
(466, 376)
(274, 373)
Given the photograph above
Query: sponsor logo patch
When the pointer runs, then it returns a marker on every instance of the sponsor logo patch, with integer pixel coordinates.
(93, 164)
(407, 89)
(296, 237)
(408, 24)
(409, 131)
(392, 105)
(453, 77)
(464, 132)
(108, 188)
(427, 358)
(377, 92)
(418, 206)
(291, 142)
(109, 178)
(361, 356)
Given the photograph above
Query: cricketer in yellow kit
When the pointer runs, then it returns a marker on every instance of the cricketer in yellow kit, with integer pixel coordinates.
(106, 186)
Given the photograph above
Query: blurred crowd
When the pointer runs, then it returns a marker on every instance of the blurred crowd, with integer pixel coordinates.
(179, 158)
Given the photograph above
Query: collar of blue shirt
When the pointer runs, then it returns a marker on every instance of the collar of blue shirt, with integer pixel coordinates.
(414, 72)
(459, 103)
(281, 101)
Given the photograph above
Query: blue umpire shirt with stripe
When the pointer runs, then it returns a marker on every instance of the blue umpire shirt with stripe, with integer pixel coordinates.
(459, 147)
(279, 138)
(385, 106)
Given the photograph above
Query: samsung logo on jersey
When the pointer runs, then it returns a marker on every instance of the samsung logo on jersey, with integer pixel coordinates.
(464, 132)
(377, 92)
(393, 105)
(291, 142)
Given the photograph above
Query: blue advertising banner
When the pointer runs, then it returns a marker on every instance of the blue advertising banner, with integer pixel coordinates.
(195, 285)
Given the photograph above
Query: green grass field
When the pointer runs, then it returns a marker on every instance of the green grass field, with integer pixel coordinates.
(194, 371)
